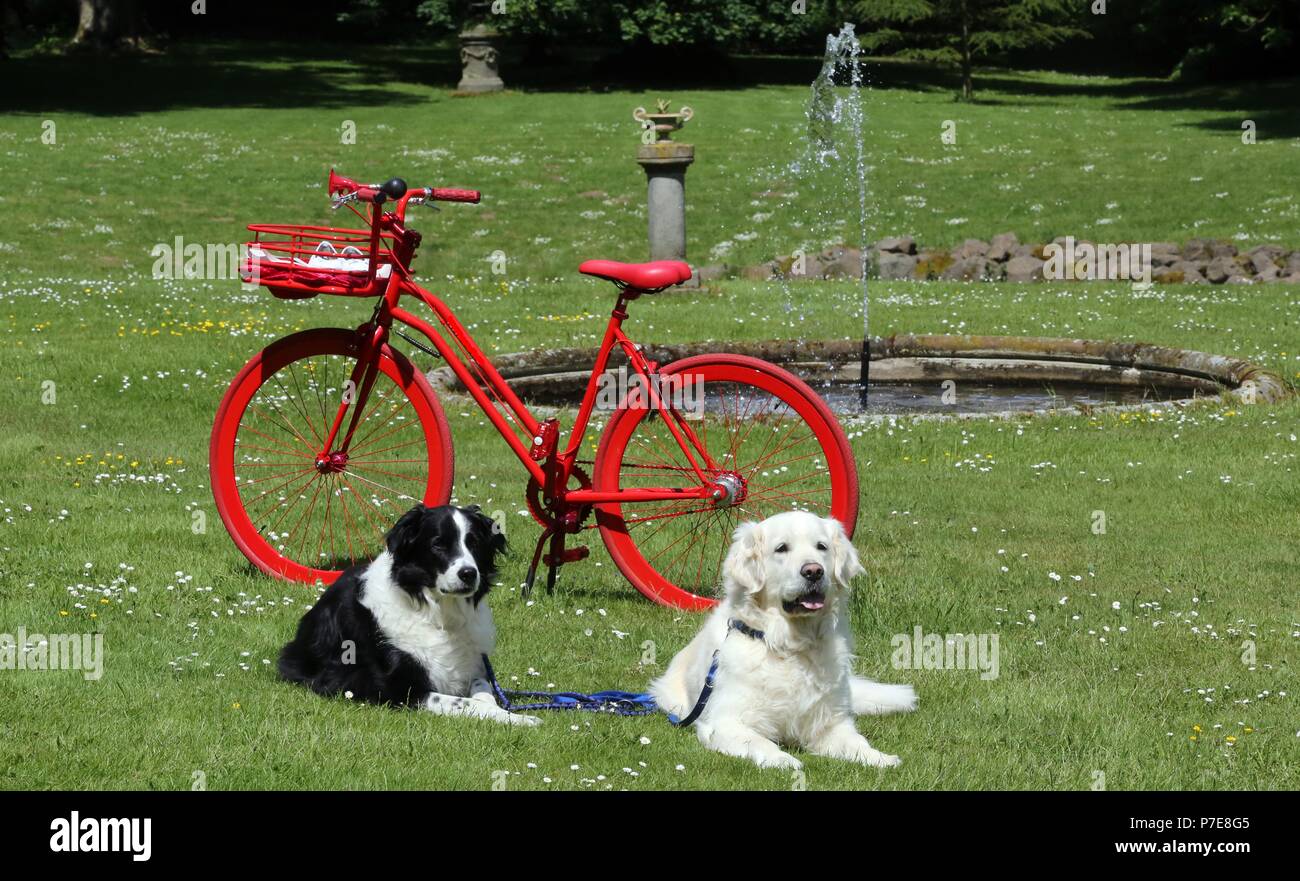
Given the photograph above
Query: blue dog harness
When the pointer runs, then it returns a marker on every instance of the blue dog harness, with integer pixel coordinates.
(621, 703)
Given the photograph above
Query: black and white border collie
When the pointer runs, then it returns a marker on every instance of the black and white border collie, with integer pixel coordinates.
(411, 628)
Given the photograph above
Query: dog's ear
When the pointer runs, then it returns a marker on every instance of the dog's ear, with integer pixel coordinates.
(845, 565)
(405, 533)
(494, 531)
(744, 564)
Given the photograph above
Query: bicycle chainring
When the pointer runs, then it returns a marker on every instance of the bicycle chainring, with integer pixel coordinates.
(536, 507)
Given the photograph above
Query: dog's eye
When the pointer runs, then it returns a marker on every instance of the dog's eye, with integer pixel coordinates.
(821, 545)
(782, 548)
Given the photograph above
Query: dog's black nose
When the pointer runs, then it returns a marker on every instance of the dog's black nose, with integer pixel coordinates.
(468, 574)
(812, 572)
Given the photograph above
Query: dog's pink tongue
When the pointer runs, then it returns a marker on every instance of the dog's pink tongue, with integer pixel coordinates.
(813, 605)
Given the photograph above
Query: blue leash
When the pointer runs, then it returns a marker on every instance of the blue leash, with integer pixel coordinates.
(621, 703)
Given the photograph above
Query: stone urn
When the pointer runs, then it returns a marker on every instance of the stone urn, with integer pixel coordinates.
(479, 54)
(661, 121)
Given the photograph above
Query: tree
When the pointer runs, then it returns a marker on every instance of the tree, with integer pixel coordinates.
(958, 32)
(1241, 37)
(790, 25)
(109, 24)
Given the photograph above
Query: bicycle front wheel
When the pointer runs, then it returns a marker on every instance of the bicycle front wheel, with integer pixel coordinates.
(297, 510)
(774, 445)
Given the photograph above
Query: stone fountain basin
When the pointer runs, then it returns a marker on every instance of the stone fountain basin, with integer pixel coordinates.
(558, 376)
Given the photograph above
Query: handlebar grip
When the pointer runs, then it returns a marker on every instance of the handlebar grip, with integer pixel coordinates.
(388, 191)
(447, 194)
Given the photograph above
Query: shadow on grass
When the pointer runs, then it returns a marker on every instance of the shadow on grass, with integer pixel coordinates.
(269, 75)
(230, 75)
(1274, 107)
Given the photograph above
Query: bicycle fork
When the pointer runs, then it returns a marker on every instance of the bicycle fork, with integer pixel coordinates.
(333, 459)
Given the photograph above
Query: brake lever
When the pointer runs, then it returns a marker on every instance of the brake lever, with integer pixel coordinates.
(337, 202)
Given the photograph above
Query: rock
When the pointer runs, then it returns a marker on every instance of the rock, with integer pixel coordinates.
(762, 272)
(1024, 269)
(788, 267)
(894, 266)
(1268, 273)
(839, 262)
(1164, 258)
(897, 245)
(966, 269)
(1182, 272)
(1220, 248)
(1263, 258)
(969, 249)
(1164, 254)
(1198, 261)
(713, 271)
(1191, 272)
(1219, 269)
(1197, 249)
(932, 264)
(1273, 251)
(1002, 246)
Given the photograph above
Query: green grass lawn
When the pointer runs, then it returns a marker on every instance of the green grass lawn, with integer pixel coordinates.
(99, 491)
(200, 142)
(1122, 653)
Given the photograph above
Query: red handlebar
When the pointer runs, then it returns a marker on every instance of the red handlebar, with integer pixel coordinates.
(446, 194)
(345, 186)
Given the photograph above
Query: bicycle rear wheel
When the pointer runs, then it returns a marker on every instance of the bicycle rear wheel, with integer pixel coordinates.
(303, 513)
(773, 441)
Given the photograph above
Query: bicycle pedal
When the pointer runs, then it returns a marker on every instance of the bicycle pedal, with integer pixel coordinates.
(568, 555)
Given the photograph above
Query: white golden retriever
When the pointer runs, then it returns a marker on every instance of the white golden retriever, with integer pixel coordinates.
(783, 649)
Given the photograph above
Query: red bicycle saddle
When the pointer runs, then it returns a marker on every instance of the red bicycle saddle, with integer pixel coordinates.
(654, 276)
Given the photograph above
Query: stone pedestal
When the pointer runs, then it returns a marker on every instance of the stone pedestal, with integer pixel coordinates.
(665, 164)
(478, 59)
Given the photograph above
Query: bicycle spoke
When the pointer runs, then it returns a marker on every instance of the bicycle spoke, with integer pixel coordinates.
(407, 424)
(761, 448)
(359, 442)
(367, 480)
(326, 520)
(284, 426)
(292, 451)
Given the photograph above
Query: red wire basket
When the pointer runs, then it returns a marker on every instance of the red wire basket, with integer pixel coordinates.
(295, 262)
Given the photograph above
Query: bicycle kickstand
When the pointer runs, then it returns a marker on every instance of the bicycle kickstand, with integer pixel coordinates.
(547, 534)
(554, 559)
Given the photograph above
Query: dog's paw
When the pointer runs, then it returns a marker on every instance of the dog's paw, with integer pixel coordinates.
(874, 758)
(521, 719)
(778, 760)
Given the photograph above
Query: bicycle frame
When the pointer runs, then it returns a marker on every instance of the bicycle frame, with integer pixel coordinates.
(544, 460)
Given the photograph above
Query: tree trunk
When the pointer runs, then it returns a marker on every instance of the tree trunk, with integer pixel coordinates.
(967, 80)
(109, 24)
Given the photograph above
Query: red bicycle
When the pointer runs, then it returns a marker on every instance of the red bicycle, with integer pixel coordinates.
(327, 435)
